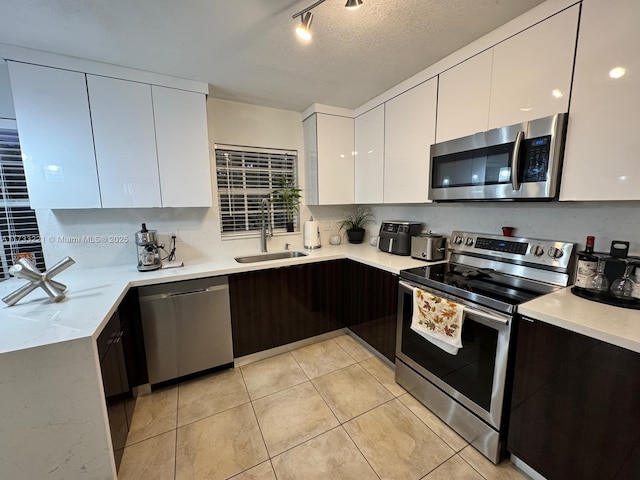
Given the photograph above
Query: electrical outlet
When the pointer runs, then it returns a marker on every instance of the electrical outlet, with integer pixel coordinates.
(326, 226)
(173, 232)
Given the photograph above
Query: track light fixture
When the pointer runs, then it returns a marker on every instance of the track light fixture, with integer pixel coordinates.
(304, 29)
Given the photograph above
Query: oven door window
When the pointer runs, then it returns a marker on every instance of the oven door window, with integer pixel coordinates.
(471, 371)
(482, 166)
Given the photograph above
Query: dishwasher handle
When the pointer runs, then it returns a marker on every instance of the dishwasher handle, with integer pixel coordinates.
(182, 294)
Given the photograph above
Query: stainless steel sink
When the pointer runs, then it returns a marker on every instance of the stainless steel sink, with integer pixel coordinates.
(265, 257)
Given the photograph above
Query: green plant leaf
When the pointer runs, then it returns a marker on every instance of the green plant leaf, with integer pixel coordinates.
(358, 219)
(287, 194)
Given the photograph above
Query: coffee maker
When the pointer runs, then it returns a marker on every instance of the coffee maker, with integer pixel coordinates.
(148, 249)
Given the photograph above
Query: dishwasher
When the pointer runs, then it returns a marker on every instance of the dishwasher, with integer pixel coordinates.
(186, 327)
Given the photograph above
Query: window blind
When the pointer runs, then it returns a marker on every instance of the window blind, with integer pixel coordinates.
(246, 175)
(18, 225)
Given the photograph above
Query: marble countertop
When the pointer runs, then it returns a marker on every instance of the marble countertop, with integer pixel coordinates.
(93, 294)
(614, 325)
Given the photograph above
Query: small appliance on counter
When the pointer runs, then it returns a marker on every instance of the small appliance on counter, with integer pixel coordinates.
(312, 234)
(148, 249)
(608, 277)
(395, 236)
(430, 247)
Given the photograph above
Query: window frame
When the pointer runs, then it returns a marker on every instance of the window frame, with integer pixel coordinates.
(19, 230)
(239, 205)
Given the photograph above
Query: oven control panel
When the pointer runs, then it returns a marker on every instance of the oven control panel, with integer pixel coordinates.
(540, 252)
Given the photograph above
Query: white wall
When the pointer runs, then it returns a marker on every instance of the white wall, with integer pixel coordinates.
(568, 221)
(198, 228)
(6, 99)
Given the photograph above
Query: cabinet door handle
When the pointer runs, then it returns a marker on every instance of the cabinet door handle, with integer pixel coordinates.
(115, 337)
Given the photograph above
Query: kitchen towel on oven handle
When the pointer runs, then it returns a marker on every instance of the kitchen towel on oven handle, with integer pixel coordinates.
(438, 320)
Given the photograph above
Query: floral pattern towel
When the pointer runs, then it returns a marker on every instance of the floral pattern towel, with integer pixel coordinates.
(437, 320)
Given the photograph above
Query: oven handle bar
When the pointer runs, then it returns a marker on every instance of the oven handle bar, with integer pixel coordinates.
(467, 310)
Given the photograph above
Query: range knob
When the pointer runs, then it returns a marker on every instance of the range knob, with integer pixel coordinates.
(468, 241)
(537, 250)
(555, 252)
(457, 239)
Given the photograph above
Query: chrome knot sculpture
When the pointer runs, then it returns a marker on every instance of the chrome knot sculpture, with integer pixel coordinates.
(23, 268)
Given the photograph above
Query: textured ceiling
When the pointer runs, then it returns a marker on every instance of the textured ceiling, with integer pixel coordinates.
(247, 49)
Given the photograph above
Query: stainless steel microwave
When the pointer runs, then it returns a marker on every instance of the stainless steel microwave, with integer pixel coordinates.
(518, 162)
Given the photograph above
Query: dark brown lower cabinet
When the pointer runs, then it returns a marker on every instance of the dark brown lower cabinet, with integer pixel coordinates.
(373, 307)
(576, 405)
(119, 347)
(270, 308)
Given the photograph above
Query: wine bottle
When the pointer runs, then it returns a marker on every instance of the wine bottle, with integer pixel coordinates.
(587, 264)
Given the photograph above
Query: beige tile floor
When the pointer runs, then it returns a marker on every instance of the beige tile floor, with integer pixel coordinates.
(330, 410)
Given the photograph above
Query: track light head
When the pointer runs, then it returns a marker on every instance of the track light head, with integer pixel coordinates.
(353, 4)
(304, 29)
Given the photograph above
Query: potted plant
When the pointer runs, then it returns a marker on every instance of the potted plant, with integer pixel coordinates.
(354, 224)
(287, 194)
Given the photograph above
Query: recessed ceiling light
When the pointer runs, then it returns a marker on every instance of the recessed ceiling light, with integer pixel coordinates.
(617, 72)
(557, 93)
(353, 4)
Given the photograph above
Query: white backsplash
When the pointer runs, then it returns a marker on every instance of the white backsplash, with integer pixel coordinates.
(568, 221)
(70, 232)
(94, 238)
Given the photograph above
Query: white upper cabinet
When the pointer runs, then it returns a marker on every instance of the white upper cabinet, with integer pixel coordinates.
(310, 133)
(6, 100)
(464, 93)
(532, 71)
(601, 159)
(183, 147)
(91, 141)
(410, 129)
(329, 159)
(369, 156)
(54, 125)
(125, 142)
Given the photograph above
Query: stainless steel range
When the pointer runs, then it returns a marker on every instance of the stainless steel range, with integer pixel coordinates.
(489, 276)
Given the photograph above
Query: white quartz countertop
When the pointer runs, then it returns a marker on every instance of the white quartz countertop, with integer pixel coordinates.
(93, 294)
(615, 325)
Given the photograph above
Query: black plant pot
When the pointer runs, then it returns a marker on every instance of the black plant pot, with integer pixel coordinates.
(355, 235)
(289, 226)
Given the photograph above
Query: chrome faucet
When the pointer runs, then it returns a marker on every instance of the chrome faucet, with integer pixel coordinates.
(265, 225)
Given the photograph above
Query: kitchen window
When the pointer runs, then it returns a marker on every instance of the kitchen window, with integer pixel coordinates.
(246, 175)
(18, 225)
